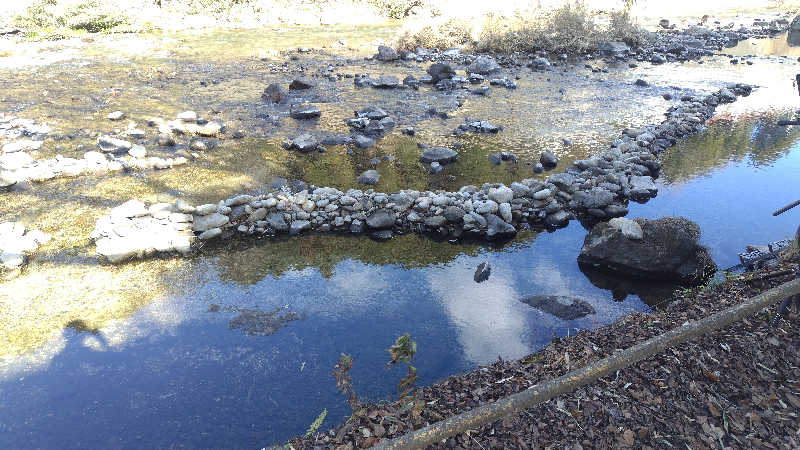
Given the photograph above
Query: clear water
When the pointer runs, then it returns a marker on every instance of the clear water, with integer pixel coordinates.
(133, 357)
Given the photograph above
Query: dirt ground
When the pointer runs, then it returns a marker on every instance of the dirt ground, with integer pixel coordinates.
(738, 387)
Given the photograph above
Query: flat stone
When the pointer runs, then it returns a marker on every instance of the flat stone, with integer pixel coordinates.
(116, 115)
(442, 155)
(204, 223)
(210, 129)
(14, 161)
(305, 111)
(363, 141)
(187, 117)
(300, 84)
(131, 208)
(22, 146)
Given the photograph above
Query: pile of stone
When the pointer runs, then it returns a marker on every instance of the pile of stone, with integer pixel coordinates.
(16, 242)
(597, 188)
(189, 123)
(12, 128)
(370, 121)
(477, 126)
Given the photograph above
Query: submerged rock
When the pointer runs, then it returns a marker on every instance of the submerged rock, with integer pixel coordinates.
(668, 250)
(305, 111)
(563, 307)
(482, 272)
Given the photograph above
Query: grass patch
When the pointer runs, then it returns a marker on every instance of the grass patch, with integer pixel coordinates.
(571, 29)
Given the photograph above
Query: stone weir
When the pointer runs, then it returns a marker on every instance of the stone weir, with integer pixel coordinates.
(597, 188)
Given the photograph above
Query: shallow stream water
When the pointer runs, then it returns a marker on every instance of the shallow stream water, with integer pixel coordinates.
(151, 354)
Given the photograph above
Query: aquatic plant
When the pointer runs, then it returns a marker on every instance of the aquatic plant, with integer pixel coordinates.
(344, 381)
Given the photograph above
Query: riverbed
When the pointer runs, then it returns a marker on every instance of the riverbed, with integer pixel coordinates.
(153, 353)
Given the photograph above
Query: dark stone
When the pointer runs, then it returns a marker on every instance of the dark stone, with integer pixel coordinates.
(669, 251)
(305, 111)
(641, 83)
(548, 160)
(298, 226)
(300, 83)
(386, 54)
(274, 94)
(563, 307)
(435, 221)
(440, 71)
(381, 219)
(495, 159)
(482, 272)
(381, 235)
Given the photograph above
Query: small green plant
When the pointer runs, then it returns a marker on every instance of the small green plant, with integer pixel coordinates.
(317, 423)
(403, 351)
(344, 382)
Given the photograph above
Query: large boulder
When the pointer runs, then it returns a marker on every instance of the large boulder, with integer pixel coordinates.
(668, 250)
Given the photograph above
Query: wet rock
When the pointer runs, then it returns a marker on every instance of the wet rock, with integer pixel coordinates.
(641, 83)
(386, 82)
(381, 235)
(497, 228)
(563, 307)
(435, 221)
(411, 82)
(642, 187)
(109, 144)
(663, 23)
(669, 250)
(440, 71)
(210, 234)
(540, 63)
(305, 111)
(299, 84)
(386, 54)
(260, 323)
(363, 141)
(442, 155)
(274, 93)
(305, 143)
(381, 218)
(483, 65)
(435, 168)
(658, 59)
(369, 177)
(482, 272)
(548, 160)
(202, 145)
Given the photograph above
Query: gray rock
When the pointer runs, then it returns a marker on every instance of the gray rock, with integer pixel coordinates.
(497, 228)
(305, 143)
(386, 54)
(187, 117)
(305, 111)
(483, 65)
(211, 129)
(277, 222)
(563, 307)
(210, 234)
(381, 218)
(435, 221)
(25, 145)
(557, 219)
(274, 93)
(369, 177)
(453, 214)
(442, 155)
(386, 82)
(298, 226)
(614, 48)
(204, 223)
(363, 141)
(669, 250)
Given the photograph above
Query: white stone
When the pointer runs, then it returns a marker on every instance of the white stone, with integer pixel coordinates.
(116, 115)
(138, 151)
(543, 194)
(204, 210)
(14, 161)
(501, 194)
(187, 117)
(11, 260)
(505, 211)
(131, 208)
(24, 146)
